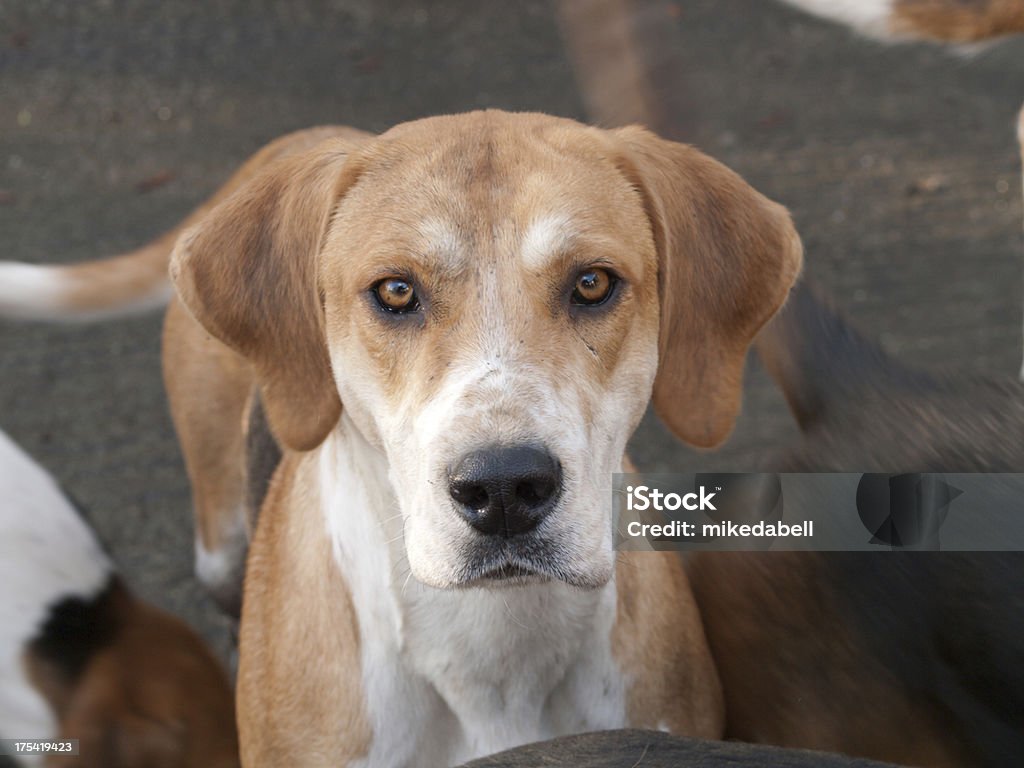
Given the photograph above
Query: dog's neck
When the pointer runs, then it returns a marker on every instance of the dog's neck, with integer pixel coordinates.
(511, 656)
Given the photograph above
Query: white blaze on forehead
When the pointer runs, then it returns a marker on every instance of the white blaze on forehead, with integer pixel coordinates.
(545, 238)
(439, 238)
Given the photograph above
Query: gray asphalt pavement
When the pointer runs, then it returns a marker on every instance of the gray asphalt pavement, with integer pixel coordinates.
(899, 165)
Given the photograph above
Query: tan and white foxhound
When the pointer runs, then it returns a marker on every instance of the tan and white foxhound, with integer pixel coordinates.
(452, 329)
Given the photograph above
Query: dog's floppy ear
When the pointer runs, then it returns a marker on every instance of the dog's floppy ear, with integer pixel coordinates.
(727, 257)
(248, 274)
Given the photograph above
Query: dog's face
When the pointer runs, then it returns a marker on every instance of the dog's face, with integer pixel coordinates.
(502, 316)
(497, 295)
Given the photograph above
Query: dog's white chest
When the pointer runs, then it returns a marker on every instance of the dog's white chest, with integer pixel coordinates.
(450, 675)
(514, 665)
(479, 671)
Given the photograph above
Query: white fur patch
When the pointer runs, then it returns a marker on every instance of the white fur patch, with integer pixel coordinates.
(30, 291)
(544, 239)
(47, 553)
(214, 568)
(222, 570)
(440, 238)
(451, 675)
(872, 17)
(45, 292)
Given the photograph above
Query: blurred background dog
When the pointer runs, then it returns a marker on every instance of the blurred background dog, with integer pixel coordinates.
(82, 658)
(911, 657)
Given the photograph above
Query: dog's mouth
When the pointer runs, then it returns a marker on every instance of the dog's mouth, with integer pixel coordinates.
(505, 574)
(536, 562)
(510, 572)
(535, 558)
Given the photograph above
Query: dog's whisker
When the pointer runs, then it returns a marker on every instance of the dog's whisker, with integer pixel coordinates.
(390, 519)
(508, 610)
(406, 582)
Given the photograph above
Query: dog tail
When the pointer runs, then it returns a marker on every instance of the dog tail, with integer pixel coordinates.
(959, 22)
(818, 359)
(126, 284)
(133, 282)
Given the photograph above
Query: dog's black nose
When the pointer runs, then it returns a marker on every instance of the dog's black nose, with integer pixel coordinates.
(505, 491)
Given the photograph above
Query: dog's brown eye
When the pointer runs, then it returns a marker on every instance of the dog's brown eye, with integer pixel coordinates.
(396, 295)
(593, 286)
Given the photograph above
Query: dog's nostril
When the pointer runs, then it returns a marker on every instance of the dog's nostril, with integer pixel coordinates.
(471, 495)
(505, 491)
(534, 492)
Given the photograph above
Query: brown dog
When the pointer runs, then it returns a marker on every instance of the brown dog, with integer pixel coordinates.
(912, 657)
(493, 298)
